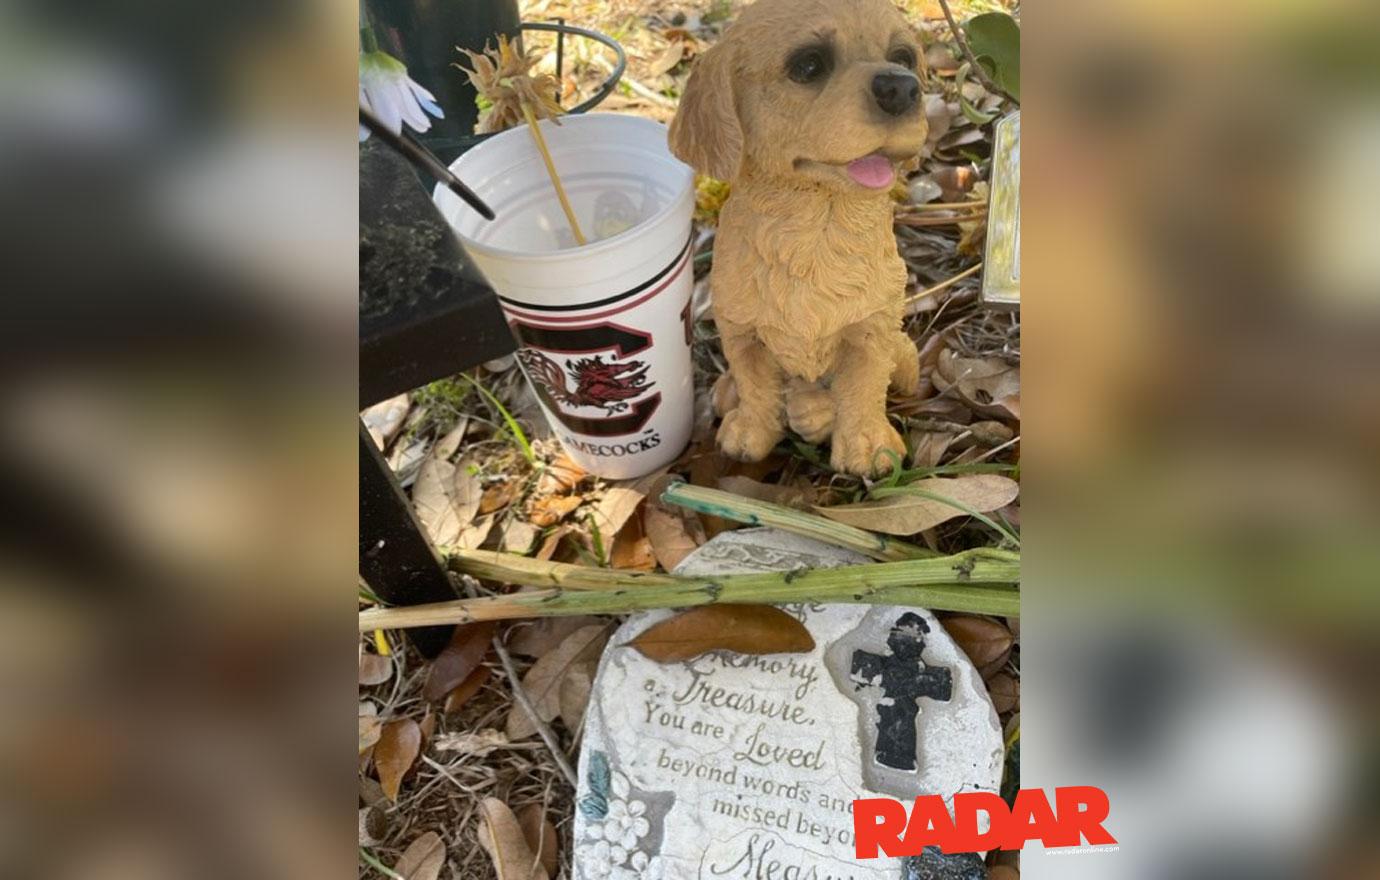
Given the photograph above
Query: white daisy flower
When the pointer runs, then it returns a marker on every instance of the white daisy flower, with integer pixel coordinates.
(389, 93)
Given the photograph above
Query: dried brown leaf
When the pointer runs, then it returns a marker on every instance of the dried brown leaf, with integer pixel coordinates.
(431, 498)
(746, 629)
(551, 543)
(473, 536)
(986, 642)
(707, 466)
(535, 638)
(373, 669)
(542, 683)
(447, 445)
(423, 859)
(561, 475)
(614, 510)
(371, 793)
(940, 118)
(370, 729)
(929, 447)
(395, 753)
(989, 385)
(407, 458)
(540, 835)
(469, 644)
(501, 836)
(1012, 514)
(635, 555)
(671, 533)
(465, 690)
(991, 433)
(479, 743)
(787, 496)
(548, 510)
(519, 536)
(383, 419)
(669, 58)
(466, 492)
(499, 496)
(574, 692)
(908, 514)
(947, 408)
(1005, 690)
(939, 57)
(632, 551)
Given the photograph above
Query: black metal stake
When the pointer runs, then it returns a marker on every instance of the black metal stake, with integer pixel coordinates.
(395, 559)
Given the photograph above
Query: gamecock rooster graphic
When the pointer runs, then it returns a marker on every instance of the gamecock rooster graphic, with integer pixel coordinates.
(608, 387)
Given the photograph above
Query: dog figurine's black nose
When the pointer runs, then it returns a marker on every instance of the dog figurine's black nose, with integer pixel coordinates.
(896, 93)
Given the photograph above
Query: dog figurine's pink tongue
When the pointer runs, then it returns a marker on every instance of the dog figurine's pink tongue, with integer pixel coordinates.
(874, 171)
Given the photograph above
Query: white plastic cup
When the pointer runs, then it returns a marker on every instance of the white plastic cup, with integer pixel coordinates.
(605, 328)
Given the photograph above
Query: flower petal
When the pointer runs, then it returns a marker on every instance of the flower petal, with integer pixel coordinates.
(426, 100)
(407, 104)
(384, 103)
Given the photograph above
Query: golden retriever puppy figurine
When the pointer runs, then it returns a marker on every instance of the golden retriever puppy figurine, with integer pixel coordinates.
(807, 107)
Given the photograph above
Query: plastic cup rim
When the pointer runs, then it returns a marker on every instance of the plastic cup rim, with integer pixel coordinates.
(593, 248)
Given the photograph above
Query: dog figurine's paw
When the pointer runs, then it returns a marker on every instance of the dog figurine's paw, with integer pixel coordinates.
(746, 438)
(861, 452)
(905, 373)
(905, 367)
(724, 396)
(810, 413)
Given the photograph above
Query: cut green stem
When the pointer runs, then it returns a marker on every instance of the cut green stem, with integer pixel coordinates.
(716, 502)
(975, 581)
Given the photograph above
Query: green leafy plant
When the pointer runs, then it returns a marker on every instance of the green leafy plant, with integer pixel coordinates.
(513, 427)
(995, 39)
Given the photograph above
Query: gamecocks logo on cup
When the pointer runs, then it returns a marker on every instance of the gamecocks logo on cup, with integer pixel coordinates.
(599, 395)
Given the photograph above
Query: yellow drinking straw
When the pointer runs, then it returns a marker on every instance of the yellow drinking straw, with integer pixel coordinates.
(514, 94)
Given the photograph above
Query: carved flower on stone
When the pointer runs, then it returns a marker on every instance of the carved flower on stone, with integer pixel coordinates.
(640, 868)
(601, 860)
(626, 823)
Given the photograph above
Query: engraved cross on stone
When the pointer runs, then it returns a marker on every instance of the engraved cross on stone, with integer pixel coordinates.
(904, 679)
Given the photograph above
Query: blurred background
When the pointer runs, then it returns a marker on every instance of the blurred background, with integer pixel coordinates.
(178, 424)
(177, 437)
(1202, 319)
